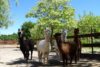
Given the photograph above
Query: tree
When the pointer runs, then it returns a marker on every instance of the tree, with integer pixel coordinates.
(88, 23)
(37, 32)
(56, 14)
(5, 20)
(26, 27)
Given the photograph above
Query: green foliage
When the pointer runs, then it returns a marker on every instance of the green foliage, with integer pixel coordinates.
(9, 37)
(26, 27)
(37, 32)
(89, 23)
(5, 20)
(4, 13)
(53, 13)
(56, 14)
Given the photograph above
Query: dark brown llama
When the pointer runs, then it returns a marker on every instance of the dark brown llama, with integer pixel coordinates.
(68, 49)
(26, 45)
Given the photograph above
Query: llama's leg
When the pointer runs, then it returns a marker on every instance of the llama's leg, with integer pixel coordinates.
(46, 57)
(23, 52)
(63, 59)
(76, 57)
(79, 53)
(58, 55)
(27, 55)
(43, 57)
(75, 60)
(71, 58)
(40, 56)
(31, 54)
(66, 60)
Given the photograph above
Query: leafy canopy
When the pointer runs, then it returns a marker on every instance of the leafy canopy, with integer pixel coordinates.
(53, 13)
(89, 21)
(56, 14)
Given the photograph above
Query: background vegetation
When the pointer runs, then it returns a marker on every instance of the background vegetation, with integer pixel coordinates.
(9, 37)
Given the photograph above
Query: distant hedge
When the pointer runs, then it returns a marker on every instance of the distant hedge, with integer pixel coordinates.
(13, 36)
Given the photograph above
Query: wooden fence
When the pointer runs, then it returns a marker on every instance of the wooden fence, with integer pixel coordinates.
(91, 36)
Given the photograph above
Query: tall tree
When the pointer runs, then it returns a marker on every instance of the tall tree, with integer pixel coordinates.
(56, 14)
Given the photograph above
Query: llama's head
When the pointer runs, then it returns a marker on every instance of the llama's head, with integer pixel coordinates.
(47, 34)
(76, 31)
(63, 35)
(58, 36)
(22, 35)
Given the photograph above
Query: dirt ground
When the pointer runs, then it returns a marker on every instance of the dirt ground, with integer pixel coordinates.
(10, 56)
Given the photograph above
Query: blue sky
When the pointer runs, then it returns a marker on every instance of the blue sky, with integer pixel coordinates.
(18, 12)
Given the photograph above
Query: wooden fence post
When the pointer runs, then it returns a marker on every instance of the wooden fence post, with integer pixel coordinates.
(92, 41)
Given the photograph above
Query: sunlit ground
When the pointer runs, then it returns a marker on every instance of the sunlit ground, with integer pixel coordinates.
(96, 50)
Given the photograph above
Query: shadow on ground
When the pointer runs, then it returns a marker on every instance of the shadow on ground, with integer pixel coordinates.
(85, 62)
(91, 57)
(34, 63)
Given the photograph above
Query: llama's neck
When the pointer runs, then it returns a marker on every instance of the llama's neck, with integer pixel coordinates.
(76, 39)
(47, 35)
(47, 38)
(59, 41)
(63, 35)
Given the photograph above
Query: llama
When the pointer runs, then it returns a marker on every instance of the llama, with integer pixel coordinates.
(63, 48)
(77, 42)
(43, 47)
(63, 38)
(66, 49)
(26, 45)
(75, 47)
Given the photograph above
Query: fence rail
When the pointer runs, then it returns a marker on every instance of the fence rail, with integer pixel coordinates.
(86, 35)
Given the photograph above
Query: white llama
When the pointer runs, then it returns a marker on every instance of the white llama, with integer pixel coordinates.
(43, 47)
